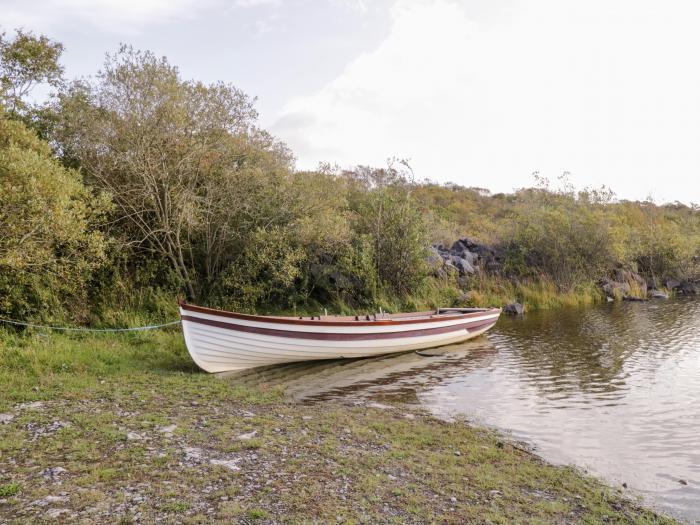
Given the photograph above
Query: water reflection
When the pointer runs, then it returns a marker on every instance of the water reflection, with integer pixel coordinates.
(614, 389)
(398, 377)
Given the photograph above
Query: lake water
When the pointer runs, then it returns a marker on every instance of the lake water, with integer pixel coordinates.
(613, 389)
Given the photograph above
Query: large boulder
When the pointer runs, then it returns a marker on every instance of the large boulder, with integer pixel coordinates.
(514, 309)
(615, 289)
(466, 256)
(624, 284)
(672, 284)
(688, 288)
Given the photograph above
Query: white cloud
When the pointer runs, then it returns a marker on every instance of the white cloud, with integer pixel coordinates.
(485, 96)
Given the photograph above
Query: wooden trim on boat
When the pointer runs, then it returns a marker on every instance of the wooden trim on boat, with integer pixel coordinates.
(338, 336)
(291, 320)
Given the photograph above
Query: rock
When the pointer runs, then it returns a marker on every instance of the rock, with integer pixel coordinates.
(49, 500)
(672, 284)
(57, 513)
(687, 288)
(35, 405)
(657, 294)
(53, 472)
(380, 406)
(514, 309)
(228, 463)
(466, 256)
(133, 436)
(6, 418)
(615, 289)
(249, 435)
(631, 298)
(38, 431)
(56, 426)
(168, 430)
(462, 264)
(459, 246)
(193, 455)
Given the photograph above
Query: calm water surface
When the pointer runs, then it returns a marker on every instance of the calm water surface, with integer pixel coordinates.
(613, 389)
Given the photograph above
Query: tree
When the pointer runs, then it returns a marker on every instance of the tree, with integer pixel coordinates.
(180, 159)
(25, 62)
(385, 212)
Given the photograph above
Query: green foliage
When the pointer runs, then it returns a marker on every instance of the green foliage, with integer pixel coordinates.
(190, 173)
(49, 243)
(385, 211)
(264, 274)
(556, 234)
(25, 62)
(567, 239)
(9, 489)
(188, 195)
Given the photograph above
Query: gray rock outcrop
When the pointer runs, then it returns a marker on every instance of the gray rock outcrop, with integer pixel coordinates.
(464, 257)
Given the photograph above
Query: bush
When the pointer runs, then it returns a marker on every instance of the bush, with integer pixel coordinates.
(49, 244)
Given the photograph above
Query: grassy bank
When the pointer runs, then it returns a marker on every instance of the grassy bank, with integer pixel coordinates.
(124, 429)
(540, 294)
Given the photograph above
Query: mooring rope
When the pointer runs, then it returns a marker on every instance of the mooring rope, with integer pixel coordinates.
(72, 329)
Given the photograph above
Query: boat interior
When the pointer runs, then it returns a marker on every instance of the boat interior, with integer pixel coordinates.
(384, 316)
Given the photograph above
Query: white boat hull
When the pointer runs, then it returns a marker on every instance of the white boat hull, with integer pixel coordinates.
(222, 341)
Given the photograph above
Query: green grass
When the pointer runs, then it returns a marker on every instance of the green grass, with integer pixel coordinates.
(8, 489)
(347, 463)
(37, 366)
(540, 294)
(175, 506)
(256, 514)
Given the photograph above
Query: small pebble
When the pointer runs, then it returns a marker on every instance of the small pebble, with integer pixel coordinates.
(168, 430)
(249, 435)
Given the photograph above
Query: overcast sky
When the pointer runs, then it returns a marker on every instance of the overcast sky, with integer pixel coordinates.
(481, 93)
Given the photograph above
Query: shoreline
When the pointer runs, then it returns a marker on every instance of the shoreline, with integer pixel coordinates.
(125, 430)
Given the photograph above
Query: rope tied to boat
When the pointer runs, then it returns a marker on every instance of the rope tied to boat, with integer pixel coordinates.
(75, 329)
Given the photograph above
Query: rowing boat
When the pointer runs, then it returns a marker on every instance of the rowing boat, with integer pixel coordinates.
(221, 341)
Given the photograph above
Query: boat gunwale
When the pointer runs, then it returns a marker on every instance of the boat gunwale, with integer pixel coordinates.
(290, 320)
